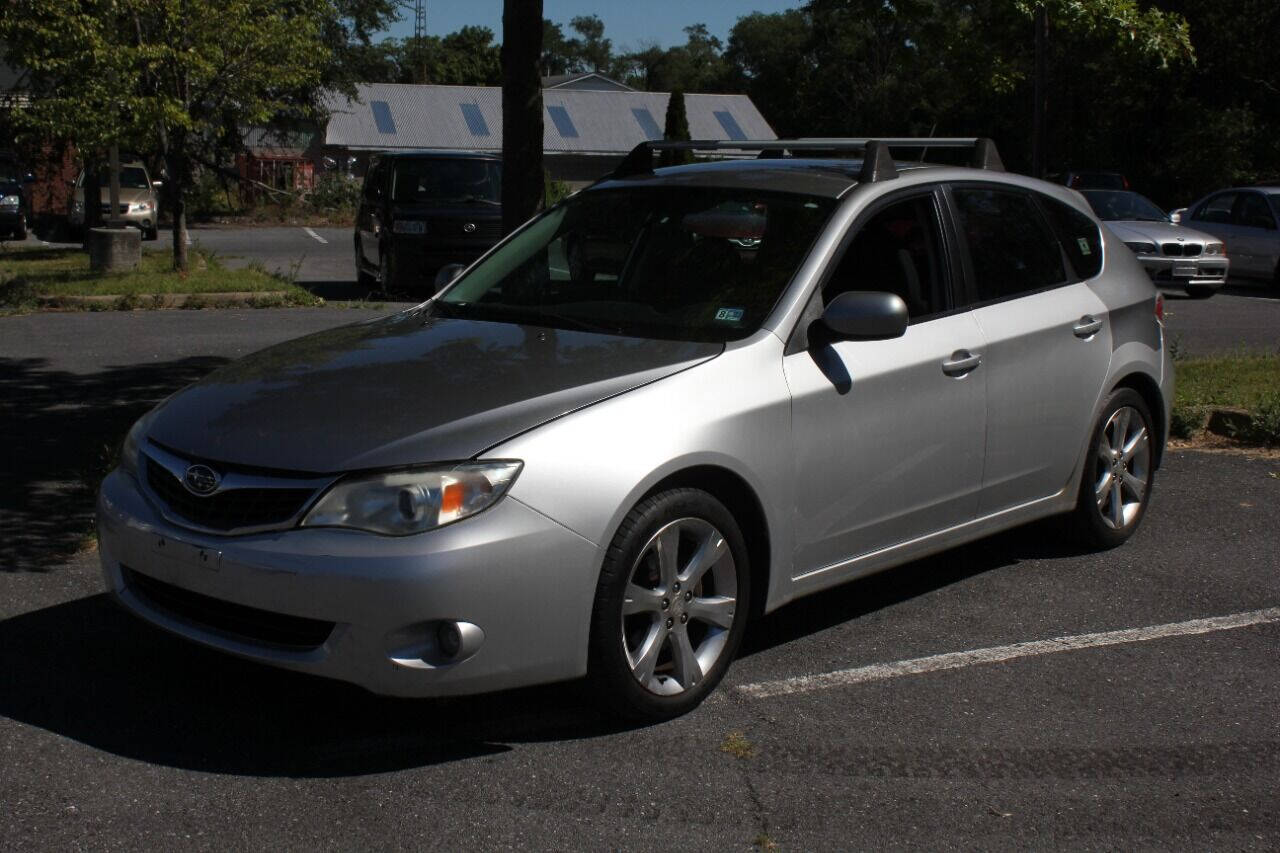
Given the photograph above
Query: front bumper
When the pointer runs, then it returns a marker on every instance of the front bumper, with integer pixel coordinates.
(142, 220)
(1199, 271)
(525, 581)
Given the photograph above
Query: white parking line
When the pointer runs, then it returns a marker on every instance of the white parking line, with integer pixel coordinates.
(313, 235)
(995, 654)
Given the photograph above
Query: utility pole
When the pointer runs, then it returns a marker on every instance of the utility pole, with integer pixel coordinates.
(1041, 108)
(420, 37)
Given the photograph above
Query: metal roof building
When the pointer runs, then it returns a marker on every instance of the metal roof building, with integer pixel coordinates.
(586, 131)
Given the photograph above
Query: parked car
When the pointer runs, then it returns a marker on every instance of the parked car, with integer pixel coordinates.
(1248, 220)
(422, 210)
(15, 202)
(804, 371)
(1172, 254)
(1092, 179)
(139, 204)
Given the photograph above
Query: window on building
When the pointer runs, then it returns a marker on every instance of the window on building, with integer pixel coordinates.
(730, 124)
(564, 124)
(645, 119)
(475, 119)
(382, 117)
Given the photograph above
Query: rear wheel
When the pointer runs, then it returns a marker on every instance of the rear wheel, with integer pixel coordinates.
(1119, 471)
(387, 271)
(671, 606)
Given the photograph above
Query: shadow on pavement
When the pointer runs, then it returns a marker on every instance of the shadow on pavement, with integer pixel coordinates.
(61, 433)
(351, 291)
(91, 672)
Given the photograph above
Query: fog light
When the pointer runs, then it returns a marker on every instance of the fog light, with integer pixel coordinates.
(449, 639)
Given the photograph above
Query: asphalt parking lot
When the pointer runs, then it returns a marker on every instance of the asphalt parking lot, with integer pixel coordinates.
(114, 734)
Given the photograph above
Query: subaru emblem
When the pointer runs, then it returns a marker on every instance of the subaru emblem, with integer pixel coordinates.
(470, 227)
(201, 480)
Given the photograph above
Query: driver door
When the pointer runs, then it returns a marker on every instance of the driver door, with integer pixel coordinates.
(888, 434)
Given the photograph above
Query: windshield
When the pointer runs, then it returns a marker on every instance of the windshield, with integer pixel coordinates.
(131, 178)
(677, 263)
(422, 180)
(1113, 205)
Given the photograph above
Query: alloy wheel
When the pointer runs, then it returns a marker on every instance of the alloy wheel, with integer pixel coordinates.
(1122, 468)
(679, 606)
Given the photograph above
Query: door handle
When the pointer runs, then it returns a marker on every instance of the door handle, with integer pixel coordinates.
(961, 363)
(1087, 327)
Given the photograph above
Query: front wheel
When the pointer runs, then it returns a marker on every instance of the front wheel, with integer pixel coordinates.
(671, 606)
(1119, 471)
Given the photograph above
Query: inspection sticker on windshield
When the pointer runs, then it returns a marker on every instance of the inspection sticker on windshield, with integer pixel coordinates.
(1084, 246)
(730, 315)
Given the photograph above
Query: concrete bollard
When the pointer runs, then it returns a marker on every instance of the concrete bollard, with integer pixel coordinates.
(114, 249)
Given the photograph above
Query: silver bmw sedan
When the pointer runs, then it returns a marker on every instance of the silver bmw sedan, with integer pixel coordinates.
(679, 398)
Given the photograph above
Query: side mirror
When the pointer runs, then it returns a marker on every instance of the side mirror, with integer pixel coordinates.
(448, 273)
(866, 315)
(156, 185)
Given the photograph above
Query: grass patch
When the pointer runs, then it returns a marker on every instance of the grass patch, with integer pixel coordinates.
(1248, 382)
(28, 275)
(737, 745)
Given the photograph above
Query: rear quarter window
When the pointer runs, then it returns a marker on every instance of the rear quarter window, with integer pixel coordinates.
(1079, 235)
(1012, 250)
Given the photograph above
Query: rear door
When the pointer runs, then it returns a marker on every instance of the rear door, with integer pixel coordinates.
(1048, 343)
(1215, 216)
(888, 434)
(1253, 243)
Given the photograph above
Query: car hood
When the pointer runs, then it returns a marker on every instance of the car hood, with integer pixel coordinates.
(1156, 232)
(127, 195)
(406, 389)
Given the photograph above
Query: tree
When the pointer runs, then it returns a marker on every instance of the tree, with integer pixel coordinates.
(593, 51)
(181, 78)
(522, 181)
(676, 128)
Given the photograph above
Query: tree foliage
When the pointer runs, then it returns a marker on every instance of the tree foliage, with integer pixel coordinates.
(676, 128)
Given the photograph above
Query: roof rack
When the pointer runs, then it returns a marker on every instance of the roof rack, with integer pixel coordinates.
(877, 164)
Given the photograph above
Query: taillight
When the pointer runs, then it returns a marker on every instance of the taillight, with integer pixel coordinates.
(1160, 308)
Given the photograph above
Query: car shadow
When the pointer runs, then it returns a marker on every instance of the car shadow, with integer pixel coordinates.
(87, 670)
(61, 433)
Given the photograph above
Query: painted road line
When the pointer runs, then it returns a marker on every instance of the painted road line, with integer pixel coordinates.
(995, 654)
(313, 235)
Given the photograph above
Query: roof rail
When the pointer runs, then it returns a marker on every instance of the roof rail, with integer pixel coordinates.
(877, 163)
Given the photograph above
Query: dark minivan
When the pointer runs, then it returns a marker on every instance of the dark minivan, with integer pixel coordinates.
(422, 210)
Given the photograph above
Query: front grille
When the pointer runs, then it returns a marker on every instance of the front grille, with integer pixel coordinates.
(1182, 250)
(231, 509)
(106, 208)
(295, 633)
(486, 229)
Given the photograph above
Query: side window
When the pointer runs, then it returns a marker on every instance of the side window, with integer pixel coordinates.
(1079, 236)
(898, 250)
(1216, 209)
(373, 181)
(1254, 213)
(1011, 249)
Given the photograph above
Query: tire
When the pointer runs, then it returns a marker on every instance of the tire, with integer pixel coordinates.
(689, 604)
(1200, 291)
(1104, 516)
(151, 234)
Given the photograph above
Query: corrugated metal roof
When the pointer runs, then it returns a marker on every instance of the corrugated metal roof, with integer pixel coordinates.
(448, 116)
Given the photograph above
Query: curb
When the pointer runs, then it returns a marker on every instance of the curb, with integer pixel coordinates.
(160, 301)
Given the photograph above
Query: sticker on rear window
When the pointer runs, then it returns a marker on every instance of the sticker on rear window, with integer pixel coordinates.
(730, 315)
(1084, 246)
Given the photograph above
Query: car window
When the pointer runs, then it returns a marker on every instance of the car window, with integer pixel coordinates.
(1079, 235)
(1254, 213)
(671, 262)
(424, 180)
(1011, 248)
(1216, 209)
(898, 250)
(373, 182)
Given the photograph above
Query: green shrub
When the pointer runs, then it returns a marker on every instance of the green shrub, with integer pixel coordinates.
(1186, 421)
(334, 192)
(1266, 419)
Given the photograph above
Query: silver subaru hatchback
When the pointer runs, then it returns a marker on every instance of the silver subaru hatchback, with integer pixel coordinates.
(681, 397)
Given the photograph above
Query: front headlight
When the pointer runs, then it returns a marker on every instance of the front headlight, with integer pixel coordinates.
(129, 451)
(10, 201)
(1215, 249)
(139, 207)
(398, 503)
(1142, 248)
